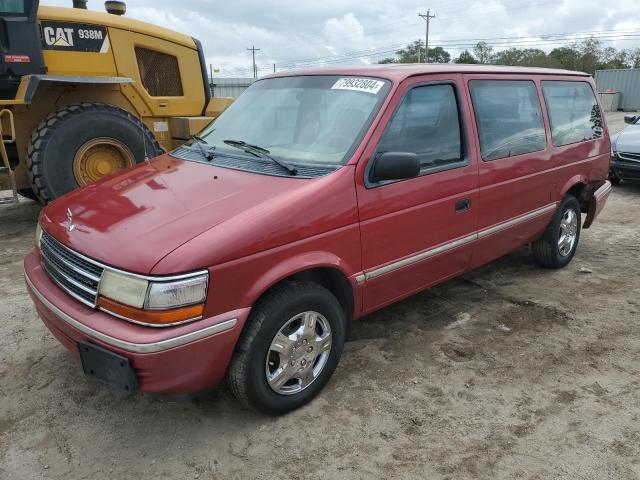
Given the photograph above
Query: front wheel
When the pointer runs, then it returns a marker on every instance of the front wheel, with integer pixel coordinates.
(557, 245)
(289, 348)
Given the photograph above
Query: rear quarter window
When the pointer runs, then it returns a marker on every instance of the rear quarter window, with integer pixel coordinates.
(508, 117)
(573, 112)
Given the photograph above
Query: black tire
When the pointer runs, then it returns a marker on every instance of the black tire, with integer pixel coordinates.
(247, 376)
(614, 178)
(28, 193)
(58, 137)
(546, 251)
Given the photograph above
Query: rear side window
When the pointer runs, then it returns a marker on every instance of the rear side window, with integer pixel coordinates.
(573, 112)
(426, 123)
(508, 116)
(159, 72)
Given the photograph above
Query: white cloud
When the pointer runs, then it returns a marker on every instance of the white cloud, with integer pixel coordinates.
(287, 32)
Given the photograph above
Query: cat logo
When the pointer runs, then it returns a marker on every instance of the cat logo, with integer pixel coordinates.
(75, 37)
(58, 37)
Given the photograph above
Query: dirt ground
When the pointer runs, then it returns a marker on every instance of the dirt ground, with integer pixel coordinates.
(508, 372)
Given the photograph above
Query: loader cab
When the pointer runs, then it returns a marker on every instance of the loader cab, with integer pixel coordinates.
(20, 47)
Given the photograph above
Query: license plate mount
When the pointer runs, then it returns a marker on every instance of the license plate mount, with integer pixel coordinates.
(107, 367)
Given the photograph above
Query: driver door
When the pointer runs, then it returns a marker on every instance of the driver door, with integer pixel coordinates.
(420, 231)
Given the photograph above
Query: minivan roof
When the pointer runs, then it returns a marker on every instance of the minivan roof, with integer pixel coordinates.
(400, 71)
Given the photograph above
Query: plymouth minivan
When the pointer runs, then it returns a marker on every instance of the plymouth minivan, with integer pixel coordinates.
(316, 198)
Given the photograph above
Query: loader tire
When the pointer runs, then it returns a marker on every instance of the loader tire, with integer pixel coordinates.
(81, 143)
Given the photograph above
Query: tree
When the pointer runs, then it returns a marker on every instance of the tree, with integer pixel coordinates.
(590, 54)
(439, 55)
(411, 53)
(534, 57)
(633, 58)
(564, 57)
(612, 58)
(483, 52)
(511, 56)
(414, 53)
(466, 57)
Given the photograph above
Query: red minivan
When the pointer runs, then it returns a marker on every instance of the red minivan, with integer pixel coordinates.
(316, 198)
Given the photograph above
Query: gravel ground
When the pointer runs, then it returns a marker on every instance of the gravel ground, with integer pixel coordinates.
(508, 372)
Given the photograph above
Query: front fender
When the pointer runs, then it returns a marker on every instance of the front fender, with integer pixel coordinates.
(244, 280)
(296, 264)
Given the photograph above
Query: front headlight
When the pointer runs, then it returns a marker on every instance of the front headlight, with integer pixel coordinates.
(150, 302)
(177, 294)
(38, 235)
(123, 288)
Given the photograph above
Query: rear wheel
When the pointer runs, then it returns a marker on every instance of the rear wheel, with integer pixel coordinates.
(557, 245)
(289, 348)
(79, 144)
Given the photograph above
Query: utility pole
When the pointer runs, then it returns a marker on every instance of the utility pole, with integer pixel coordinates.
(253, 51)
(427, 18)
(211, 78)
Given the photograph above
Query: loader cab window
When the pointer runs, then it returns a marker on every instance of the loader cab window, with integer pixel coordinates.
(159, 72)
(12, 7)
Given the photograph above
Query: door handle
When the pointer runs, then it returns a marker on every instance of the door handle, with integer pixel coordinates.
(463, 205)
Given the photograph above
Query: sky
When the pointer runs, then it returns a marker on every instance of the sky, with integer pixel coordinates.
(293, 34)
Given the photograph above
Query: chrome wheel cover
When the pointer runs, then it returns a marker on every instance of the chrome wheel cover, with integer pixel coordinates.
(568, 232)
(298, 353)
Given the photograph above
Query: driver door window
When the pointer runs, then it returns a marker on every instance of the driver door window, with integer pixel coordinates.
(427, 123)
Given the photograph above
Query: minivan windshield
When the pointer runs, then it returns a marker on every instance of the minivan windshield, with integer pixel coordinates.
(300, 119)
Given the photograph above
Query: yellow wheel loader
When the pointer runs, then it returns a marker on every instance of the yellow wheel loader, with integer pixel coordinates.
(84, 94)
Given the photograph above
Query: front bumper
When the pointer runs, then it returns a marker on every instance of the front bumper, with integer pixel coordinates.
(182, 359)
(625, 169)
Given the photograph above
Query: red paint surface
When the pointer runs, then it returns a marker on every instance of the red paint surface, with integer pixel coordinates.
(188, 368)
(170, 216)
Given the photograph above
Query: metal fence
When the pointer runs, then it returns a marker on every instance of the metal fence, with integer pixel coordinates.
(626, 81)
(229, 87)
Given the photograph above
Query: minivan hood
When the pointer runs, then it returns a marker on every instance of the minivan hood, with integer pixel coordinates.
(628, 140)
(134, 219)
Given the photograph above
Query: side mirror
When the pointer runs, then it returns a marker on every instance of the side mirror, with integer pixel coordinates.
(395, 166)
(630, 119)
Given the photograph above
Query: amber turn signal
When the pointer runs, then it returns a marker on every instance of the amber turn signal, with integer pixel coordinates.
(152, 317)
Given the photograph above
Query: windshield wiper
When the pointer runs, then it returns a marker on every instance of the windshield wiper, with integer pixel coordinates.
(261, 152)
(206, 154)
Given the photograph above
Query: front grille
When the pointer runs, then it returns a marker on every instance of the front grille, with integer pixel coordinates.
(633, 157)
(75, 274)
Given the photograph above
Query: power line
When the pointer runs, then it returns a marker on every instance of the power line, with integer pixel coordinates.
(611, 35)
(460, 44)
